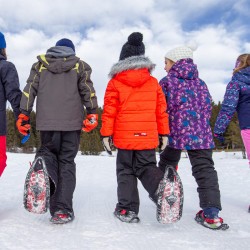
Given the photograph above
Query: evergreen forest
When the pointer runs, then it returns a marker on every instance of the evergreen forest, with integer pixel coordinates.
(90, 143)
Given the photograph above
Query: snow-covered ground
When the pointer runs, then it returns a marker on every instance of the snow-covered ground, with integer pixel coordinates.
(94, 200)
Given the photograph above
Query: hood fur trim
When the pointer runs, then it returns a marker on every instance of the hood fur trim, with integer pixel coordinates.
(133, 62)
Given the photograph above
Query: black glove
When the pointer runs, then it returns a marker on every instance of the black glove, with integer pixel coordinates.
(107, 144)
(220, 138)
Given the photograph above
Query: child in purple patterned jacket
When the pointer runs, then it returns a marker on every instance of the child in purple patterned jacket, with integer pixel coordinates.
(189, 109)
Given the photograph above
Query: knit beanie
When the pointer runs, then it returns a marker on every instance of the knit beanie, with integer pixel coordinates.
(181, 52)
(66, 42)
(2, 41)
(133, 47)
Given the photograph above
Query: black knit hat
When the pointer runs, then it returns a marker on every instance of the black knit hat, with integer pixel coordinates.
(133, 47)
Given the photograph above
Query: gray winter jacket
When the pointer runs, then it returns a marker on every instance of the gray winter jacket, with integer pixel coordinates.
(61, 82)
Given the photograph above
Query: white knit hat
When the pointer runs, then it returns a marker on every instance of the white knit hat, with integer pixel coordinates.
(181, 52)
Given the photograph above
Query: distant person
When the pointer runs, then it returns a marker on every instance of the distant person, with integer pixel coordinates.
(62, 84)
(9, 91)
(189, 109)
(237, 98)
(134, 115)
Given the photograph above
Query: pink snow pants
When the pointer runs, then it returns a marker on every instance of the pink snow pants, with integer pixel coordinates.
(245, 134)
(3, 156)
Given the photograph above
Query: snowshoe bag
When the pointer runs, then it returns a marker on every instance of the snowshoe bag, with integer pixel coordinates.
(37, 188)
(170, 197)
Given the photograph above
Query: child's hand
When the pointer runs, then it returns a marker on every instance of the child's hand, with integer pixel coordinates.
(90, 122)
(107, 144)
(163, 142)
(220, 138)
(23, 124)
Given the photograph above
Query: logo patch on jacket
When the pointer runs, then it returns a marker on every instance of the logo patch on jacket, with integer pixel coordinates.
(140, 134)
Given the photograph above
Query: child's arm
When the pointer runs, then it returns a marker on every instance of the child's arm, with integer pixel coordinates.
(11, 86)
(86, 88)
(161, 114)
(30, 90)
(111, 102)
(228, 107)
(163, 84)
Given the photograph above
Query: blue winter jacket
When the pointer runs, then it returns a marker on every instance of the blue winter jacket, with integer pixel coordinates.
(237, 98)
(9, 90)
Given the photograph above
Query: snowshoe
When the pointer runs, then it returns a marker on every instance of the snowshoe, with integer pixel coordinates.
(37, 188)
(62, 217)
(214, 224)
(170, 197)
(126, 216)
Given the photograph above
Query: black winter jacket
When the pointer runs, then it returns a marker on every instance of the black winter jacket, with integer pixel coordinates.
(9, 91)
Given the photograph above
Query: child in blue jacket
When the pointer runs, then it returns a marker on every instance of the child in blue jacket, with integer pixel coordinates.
(9, 91)
(237, 98)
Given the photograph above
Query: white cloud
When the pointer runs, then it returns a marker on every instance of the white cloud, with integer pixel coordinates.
(247, 47)
(242, 6)
(72, 15)
(99, 30)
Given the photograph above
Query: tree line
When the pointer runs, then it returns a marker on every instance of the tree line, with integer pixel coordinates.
(90, 143)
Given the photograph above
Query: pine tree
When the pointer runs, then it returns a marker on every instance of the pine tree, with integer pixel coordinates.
(34, 140)
(13, 137)
(232, 134)
(91, 142)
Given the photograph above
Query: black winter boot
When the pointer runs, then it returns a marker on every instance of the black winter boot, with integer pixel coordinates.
(62, 217)
(126, 216)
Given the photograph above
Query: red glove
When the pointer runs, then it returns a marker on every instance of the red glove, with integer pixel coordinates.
(90, 123)
(23, 124)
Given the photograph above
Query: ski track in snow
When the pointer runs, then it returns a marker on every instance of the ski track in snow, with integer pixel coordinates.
(95, 227)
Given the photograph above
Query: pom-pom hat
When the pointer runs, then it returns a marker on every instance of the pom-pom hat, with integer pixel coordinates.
(133, 47)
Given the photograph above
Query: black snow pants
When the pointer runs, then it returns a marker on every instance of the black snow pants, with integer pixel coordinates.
(130, 165)
(59, 149)
(203, 171)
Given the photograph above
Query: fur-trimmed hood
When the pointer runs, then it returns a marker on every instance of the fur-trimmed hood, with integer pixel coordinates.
(130, 63)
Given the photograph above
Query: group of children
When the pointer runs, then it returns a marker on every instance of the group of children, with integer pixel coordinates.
(139, 114)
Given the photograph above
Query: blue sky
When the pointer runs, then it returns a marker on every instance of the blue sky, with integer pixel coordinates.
(225, 14)
(98, 29)
(220, 14)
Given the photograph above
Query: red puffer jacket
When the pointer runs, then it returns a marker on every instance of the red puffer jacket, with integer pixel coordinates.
(134, 106)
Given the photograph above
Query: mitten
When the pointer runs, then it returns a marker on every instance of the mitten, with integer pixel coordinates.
(90, 122)
(107, 143)
(163, 142)
(23, 124)
(219, 137)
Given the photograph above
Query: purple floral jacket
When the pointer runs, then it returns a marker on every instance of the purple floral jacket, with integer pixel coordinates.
(189, 107)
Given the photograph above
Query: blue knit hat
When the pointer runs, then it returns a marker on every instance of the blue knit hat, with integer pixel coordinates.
(2, 41)
(66, 42)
